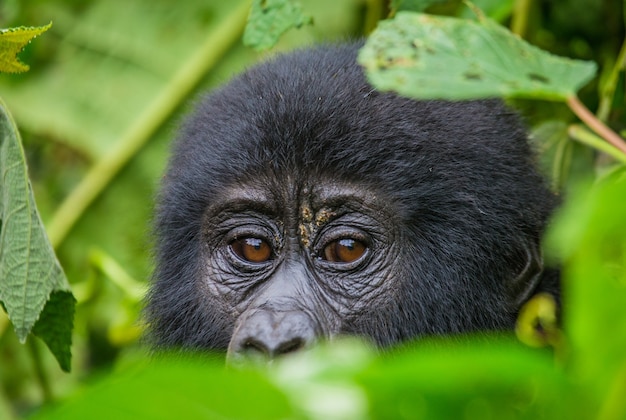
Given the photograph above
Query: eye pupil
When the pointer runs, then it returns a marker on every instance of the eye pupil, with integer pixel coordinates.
(251, 249)
(345, 250)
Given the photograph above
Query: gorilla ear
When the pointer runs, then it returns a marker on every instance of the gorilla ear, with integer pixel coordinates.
(523, 286)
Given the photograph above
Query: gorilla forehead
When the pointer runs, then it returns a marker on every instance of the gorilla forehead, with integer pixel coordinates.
(317, 205)
(312, 115)
(296, 115)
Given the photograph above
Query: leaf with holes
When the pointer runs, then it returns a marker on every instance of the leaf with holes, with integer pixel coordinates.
(33, 287)
(430, 57)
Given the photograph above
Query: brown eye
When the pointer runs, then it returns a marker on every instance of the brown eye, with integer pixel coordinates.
(253, 250)
(344, 250)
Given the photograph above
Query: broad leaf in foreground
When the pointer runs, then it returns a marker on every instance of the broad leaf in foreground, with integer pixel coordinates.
(33, 287)
(432, 57)
(12, 41)
(589, 236)
(173, 387)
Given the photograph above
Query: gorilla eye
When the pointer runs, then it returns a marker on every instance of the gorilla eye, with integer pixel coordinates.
(344, 250)
(252, 250)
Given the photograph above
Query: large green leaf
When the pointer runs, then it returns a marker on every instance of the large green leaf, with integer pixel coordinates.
(432, 57)
(495, 378)
(33, 287)
(590, 238)
(184, 388)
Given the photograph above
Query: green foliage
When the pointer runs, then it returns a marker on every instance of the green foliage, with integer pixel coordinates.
(269, 19)
(342, 380)
(430, 57)
(590, 237)
(494, 378)
(176, 387)
(101, 100)
(12, 41)
(33, 287)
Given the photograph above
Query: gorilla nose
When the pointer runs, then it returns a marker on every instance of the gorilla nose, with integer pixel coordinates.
(267, 334)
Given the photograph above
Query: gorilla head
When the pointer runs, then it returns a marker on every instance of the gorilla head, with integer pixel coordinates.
(300, 204)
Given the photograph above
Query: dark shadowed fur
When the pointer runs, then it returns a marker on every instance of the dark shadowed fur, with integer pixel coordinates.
(458, 202)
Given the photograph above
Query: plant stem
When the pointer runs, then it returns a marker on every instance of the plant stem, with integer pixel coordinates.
(562, 160)
(373, 13)
(40, 372)
(595, 124)
(116, 273)
(181, 85)
(519, 20)
(608, 90)
(582, 135)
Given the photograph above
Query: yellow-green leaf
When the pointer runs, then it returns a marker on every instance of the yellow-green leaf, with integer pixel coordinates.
(537, 324)
(12, 41)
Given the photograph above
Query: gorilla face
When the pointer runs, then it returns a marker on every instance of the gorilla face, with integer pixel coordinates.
(300, 204)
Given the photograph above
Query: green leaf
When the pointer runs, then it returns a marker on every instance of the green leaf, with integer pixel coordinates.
(54, 326)
(321, 381)
(537, 323)
(494, 378)
(589, 236)
(269, 19)
(33, 287)
(176, 387)
(431, 57)
(12, 41)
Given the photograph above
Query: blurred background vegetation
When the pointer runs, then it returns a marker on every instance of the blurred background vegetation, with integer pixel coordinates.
(100, 105)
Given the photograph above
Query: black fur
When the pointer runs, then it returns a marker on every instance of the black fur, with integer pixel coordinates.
(455, 183)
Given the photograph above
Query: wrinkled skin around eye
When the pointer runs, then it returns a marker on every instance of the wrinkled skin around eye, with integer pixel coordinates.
(345, 250)
(253, 250)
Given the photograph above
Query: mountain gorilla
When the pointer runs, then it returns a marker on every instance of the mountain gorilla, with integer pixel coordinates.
(301, 204)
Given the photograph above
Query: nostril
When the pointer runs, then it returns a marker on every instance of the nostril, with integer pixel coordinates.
(290, 346)
(252, 346)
